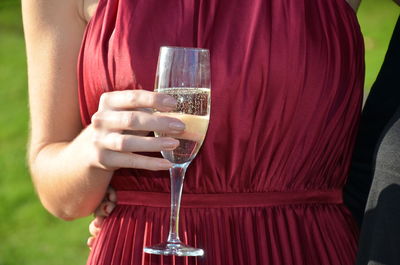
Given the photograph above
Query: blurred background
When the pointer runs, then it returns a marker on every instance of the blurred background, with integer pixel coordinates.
(28, 234)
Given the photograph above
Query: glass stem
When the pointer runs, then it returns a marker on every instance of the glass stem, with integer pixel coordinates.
(177, 175)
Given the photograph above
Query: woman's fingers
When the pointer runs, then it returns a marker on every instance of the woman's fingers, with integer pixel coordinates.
(90, 242)
(112, 160)
(94, 230)
(103, 210)
(133, 143)
(132, 111)
(136, 121)
(111, 195)
(132, 99)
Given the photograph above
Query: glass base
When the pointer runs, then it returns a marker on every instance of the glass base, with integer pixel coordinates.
(177, 249)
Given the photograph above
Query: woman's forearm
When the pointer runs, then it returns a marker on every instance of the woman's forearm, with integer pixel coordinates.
(68, 183)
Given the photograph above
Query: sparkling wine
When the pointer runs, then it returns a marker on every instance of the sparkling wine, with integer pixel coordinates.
(193, 110)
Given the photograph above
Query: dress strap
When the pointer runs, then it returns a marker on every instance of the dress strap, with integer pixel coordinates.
(228, 200)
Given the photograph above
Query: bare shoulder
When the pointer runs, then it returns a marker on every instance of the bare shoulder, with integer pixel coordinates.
(81, 9)
(88, 8)
(46, 13)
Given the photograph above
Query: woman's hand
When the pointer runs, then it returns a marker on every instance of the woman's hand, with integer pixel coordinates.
(118, 125)
(104, 210)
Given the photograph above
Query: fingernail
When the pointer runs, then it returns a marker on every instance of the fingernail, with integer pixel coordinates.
(177, 126)
(169, 102)
(90, 242)
(170, 144)
(111, 197)
(108, 209)
(165, 164)
(175, 132)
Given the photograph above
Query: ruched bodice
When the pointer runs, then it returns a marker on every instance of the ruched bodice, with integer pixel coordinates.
(287, 79)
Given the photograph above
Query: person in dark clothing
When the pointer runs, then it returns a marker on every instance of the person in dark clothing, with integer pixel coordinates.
(380, 233)
(379, 108)
(376, 166)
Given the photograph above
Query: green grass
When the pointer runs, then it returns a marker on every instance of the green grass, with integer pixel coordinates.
(377, 20)
(28, 234)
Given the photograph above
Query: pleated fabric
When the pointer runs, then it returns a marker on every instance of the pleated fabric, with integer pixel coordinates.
(287, 79)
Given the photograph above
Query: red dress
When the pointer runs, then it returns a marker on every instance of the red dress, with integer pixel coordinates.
(265, 188)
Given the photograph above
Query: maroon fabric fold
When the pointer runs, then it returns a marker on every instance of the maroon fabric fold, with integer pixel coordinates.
(286, 96)
(231, 200)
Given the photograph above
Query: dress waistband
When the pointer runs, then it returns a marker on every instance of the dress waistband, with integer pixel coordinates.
(229, 200)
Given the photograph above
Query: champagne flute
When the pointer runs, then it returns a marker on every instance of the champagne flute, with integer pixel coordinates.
(183, 73)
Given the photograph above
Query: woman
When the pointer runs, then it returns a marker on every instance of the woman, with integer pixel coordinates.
(287, 82)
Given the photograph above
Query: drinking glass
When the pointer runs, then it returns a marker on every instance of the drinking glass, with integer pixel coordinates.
(183, 73)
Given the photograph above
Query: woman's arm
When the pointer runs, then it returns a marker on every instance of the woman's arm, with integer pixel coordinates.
(71, 168)
(53, 33)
